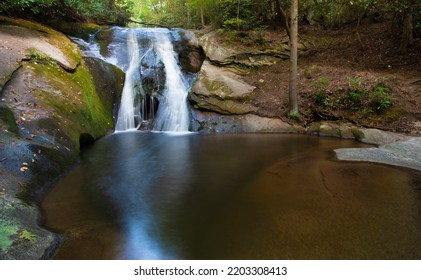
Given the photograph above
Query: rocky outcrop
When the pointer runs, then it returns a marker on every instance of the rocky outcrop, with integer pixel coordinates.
(222, 91)
(223, 54)
(50, 105)
(221, 87)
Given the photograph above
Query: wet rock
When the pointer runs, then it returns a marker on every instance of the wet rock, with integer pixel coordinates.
(191, 58)
(329, 130)
(109, 82)
(209, 122)
(405, 153)
(376, 136)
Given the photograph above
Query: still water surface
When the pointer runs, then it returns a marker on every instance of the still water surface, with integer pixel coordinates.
(145, 195)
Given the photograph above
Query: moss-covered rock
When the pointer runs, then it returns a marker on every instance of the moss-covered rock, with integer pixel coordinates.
(47, 111)
(24, 35)
(76, 29)
(7, 120)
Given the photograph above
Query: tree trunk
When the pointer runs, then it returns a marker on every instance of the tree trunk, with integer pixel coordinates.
(284, 18)
(238, 15)
(293, 102)
(202, 16)
(407, 31)
(188, 17)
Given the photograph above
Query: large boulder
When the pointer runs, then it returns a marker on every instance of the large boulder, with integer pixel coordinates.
(220, 90)
(49, 107)
(20, 40)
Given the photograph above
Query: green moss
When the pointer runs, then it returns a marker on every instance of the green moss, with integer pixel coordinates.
(217, 87)
(27, 235)
(77, 29)
(38, 57)
(6, 231)
(55, 38)
(7, 120)
(74, 98)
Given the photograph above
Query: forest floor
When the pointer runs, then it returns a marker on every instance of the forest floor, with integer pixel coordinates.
(357, 77)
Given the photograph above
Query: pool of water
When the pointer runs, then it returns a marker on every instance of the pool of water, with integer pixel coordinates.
(145, 195)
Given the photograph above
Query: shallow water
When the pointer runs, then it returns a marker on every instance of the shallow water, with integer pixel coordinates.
(145, 195)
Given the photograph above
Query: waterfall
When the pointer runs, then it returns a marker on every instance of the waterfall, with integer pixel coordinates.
(126, 114)
(172, 114)
(155, 91)
(138, 108)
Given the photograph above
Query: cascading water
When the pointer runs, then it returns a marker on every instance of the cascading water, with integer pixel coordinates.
(155, 91)
(126, 114)
(173, 113)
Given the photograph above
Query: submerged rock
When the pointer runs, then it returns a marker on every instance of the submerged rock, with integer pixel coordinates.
(405, 153)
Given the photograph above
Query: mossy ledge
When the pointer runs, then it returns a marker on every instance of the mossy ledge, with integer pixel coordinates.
(46, 113)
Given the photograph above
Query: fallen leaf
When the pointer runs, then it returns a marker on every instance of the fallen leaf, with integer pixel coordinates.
(3, 159)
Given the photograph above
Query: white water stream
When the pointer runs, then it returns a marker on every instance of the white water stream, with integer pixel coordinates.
(173, 113)
(126, 114)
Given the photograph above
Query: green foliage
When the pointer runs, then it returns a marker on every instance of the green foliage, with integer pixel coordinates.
(360, 96)
(27, 235)
(102, 11)
(380, 98)
(321, 97)
(294, 116)
(229, 14)
(38, 57)
(321, 83)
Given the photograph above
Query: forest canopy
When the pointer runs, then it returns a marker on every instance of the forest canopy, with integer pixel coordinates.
(228, 14)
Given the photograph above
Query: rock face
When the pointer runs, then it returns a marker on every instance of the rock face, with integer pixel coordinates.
(220, 90)
(225, 55)
(221, 96)
(49, 106)
(19, 40)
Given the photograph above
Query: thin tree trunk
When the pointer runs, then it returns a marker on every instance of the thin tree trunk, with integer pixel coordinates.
(238, 15)
(284, 17)
(202, 16)
(407, 31)
(293, 100)
(188, 17)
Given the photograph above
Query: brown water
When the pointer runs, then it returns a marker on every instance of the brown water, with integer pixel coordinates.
(146, 195)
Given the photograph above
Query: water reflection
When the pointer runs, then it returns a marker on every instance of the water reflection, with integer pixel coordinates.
(146, 195)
